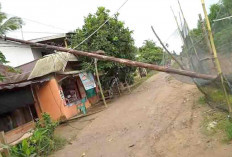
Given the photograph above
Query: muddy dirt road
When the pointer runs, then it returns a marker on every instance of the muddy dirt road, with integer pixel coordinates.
(161, 118)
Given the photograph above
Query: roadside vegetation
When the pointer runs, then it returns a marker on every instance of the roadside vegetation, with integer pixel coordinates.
(216, 123)
(42, 142)
(114, 38)
(150, 53)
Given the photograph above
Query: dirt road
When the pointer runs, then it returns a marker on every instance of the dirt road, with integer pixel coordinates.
(161, 118)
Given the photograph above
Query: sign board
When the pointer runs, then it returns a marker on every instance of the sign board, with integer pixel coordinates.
(87, 80)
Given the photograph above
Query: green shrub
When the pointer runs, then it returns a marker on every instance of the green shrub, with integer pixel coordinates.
(42, 142)
(202, 100)
(222, 125)
(229, 130)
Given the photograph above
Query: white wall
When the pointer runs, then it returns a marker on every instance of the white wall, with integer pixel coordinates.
(17, 54)
(36, 53)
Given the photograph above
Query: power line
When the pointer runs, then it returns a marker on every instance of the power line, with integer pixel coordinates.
(100, 26)
(228, 17)
(48, 25)
(88, 36)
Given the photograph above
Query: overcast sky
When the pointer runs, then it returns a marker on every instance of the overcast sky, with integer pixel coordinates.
(60, 16)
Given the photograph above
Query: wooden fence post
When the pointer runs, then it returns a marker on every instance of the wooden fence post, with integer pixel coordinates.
(99, 83)
(5, 151)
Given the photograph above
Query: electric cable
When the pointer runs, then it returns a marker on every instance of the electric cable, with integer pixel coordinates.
(99, 26)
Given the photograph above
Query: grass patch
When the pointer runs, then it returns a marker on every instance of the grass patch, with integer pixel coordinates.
(202, 100)
(216, 123)
(59, 143)
(42, 142)
(216, 97)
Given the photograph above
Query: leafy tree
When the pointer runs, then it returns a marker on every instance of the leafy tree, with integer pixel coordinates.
(214, 10)
(6, 25)
(113, 38)
(150, 53)
(221, 29)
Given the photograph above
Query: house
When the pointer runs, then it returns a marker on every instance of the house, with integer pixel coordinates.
(19, 54)
(55, 84)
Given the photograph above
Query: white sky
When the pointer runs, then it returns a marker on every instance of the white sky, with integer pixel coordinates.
(138, 15)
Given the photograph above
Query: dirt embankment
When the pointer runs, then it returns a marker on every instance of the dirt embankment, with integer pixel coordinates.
(161, 118)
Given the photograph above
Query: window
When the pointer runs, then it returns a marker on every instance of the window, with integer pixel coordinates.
(71, 91)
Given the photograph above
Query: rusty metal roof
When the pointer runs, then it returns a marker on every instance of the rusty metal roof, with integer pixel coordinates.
(36, 71)
(23, 84)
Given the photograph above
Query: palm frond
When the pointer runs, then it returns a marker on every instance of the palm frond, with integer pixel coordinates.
(11, 24)
(2, 17)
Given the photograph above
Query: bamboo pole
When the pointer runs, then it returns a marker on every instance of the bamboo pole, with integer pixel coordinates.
(5, 151)
(118, 60)
(215, 56)
(99, 83)
(205, 36)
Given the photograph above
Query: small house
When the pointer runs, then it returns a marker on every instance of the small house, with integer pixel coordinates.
(55, 84)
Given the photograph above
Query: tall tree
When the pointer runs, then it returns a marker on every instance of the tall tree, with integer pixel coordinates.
(221, 29)
(113, 38)
(150, 53)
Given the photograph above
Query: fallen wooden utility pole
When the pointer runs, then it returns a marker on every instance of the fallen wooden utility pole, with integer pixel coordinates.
(118, 60)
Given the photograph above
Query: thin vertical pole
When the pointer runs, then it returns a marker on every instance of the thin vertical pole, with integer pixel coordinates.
(205, 36)
(215, 56)
(182, 37)
(185, 22)
(21, 29)
(65, 42)
(163, 59)
(99, 83)
(178, 26)
(167, 49)
(6, 151)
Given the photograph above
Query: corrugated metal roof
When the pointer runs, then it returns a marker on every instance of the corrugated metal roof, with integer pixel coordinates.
(23, 84)
(53, 63)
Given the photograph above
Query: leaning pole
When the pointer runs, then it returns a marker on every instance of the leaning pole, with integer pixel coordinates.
(114, 59)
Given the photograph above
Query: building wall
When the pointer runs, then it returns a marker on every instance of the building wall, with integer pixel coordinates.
(51, 102)
(93, 100)
(16, 54)
(36, 53)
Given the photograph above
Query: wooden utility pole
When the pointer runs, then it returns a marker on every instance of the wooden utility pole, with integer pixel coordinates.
(99, 83)
(113, 59)
(65, 42)
(215, 56)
